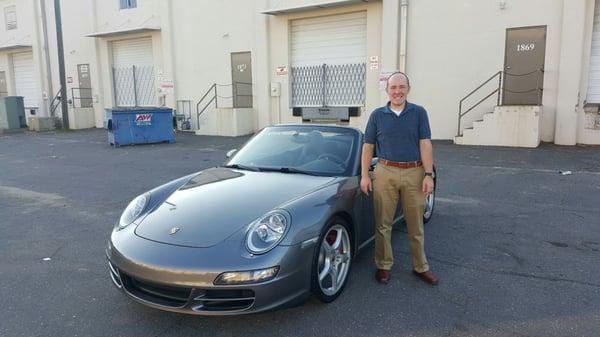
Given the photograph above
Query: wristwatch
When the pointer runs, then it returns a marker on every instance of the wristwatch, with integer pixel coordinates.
(429, 174)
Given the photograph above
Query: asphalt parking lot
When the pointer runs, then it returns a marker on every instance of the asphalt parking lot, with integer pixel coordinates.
(515, 243)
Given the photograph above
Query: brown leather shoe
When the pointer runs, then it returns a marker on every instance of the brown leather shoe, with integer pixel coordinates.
(428, 277)
(382, 276)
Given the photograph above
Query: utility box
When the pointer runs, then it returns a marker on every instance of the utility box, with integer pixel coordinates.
(12, 113)
(128, 126)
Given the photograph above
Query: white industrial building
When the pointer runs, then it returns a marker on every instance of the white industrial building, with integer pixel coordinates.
(292, 61)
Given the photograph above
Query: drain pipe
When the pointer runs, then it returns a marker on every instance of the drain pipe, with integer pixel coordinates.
(47, 53)
(403, 35)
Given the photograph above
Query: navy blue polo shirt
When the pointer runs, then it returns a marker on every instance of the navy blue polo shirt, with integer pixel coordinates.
(396, 138)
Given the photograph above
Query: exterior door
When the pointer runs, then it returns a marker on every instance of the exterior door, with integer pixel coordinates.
(241, 79)
(26, 82)
(524, 65)
(3, 87)
(85, 87)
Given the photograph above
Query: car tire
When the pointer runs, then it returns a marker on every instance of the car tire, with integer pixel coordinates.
(430, 200)
(332, 260)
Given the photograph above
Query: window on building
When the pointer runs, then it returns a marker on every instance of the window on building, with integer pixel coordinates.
(10, 17)
(124, 4)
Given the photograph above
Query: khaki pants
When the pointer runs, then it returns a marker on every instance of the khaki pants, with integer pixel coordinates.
(390, 184)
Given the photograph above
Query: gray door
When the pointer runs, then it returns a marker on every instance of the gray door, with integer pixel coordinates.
(83, 95)
(524, 65)
(241, 79)
(3, 88)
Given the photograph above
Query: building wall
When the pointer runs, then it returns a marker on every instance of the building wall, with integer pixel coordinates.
(588, 116)
(24, 34)
(204, 36)
(454, 46)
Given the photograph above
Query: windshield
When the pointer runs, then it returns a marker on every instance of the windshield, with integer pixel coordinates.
(318, 150)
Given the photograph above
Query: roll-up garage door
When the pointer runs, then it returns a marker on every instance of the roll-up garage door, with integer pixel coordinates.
(26, 84)
(593, 94)
(334, 39)
(328, 57)
(133, 71)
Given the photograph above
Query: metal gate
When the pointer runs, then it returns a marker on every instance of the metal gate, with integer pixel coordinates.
(134, 86)
(329, 85)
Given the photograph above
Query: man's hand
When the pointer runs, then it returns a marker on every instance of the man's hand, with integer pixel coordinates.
(427, 185)
(366, 185)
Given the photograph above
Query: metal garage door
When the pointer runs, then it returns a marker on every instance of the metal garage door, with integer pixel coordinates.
(593, 94)
(133, 72)
(26, 84)
(328, 57)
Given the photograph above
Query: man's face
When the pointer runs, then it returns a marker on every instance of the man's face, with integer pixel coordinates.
(397, 89)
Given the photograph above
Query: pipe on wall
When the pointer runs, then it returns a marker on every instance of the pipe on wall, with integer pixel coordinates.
(46, 49)
(403, 35)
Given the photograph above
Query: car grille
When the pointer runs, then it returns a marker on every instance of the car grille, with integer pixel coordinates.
(168, 296)
(224, 300)
(202, 300)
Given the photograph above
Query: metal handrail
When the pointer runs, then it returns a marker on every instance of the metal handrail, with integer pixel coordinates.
(499, 91)
(75, 98)
(56, 99)
(215, 96)
(212, 98)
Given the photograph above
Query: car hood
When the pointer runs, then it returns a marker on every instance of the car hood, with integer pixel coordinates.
(216, 203)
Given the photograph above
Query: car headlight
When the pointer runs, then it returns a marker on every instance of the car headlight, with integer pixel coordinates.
(246, 277)
(133, 210)
(267, 231)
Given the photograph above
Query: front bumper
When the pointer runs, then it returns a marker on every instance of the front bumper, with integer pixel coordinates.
(180, 279)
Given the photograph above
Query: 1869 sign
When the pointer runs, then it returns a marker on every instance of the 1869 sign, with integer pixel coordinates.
(525, 46)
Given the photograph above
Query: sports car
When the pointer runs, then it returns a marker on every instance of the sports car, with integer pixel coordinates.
(282, 219)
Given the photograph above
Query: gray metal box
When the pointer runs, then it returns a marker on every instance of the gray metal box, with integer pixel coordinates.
(326, 113)
(12, 113)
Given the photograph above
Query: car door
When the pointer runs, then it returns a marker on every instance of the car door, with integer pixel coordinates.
(364, 209)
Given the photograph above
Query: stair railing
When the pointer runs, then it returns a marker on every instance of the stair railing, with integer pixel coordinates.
(213, 97)
(497, 91)
(55, 103)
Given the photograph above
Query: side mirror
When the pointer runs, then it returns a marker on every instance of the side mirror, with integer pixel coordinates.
(373, 163)
(230, 153)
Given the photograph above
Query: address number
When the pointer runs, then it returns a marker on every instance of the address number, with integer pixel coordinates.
(526, 47)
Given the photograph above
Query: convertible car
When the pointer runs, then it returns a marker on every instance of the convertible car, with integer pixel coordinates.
(281, 219)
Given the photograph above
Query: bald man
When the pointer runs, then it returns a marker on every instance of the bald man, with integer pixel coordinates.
(401, 135)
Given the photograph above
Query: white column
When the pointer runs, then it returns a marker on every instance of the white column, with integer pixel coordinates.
(570, 71)
(39, 64)
(167, 37)
(390, 39)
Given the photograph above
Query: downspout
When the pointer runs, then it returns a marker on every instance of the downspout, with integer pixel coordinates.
(403, 35)
(43, 109)
(46, 49)
(172, 50)
(99, 100)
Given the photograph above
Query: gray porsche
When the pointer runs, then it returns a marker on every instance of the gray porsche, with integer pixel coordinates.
(282, 219)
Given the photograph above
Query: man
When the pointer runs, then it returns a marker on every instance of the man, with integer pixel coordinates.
(401, 135)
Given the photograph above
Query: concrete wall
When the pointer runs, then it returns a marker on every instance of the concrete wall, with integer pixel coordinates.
(588, 117)
(454, 46)
(24, 34)
(204, 38)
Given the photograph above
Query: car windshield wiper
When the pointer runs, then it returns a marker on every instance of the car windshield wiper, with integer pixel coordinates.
(287, 170)
(242, 167)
